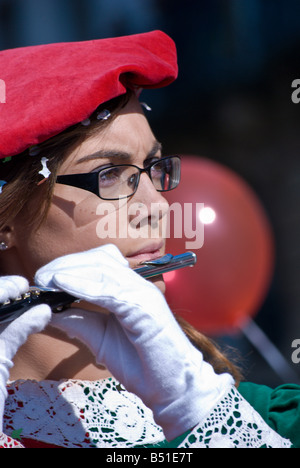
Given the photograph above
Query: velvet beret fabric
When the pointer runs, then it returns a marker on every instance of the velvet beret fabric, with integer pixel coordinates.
(51, 87)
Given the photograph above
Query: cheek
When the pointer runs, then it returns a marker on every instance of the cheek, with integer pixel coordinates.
(112, 221)
(75, 224)
(72, 227)
(69, 227)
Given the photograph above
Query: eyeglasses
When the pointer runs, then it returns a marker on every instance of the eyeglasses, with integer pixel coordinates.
(121, 181)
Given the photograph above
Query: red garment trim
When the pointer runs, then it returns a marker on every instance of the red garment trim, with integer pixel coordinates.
(29, 443)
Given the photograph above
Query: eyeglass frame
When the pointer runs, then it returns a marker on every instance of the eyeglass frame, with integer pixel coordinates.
(90, 180)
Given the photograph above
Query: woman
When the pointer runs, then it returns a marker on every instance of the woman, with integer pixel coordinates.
(81, 163)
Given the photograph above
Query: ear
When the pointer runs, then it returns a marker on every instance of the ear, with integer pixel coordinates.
(7, 238)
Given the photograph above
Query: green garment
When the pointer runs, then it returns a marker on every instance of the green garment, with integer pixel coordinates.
(279, 407)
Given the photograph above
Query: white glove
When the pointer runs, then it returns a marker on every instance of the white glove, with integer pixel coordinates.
(14, 334)
(12, 287)
(141, 343)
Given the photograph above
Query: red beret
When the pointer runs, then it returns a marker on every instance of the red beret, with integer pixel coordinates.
(51, 87)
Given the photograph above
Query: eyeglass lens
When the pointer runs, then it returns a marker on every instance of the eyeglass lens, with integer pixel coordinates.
(122, 181)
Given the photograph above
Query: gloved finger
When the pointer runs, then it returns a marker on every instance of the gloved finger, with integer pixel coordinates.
(14, 334)
(34, 320)
(76, 314)
(12, 287)
(85, 325)
(106, 255)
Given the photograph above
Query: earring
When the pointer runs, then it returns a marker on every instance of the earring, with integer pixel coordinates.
(3, 246)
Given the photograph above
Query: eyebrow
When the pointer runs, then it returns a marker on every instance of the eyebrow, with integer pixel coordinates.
(119, 154)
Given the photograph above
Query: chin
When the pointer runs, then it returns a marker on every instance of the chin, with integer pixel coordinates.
(159, 283)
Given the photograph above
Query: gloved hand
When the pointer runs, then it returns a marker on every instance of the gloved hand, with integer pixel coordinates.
(140, 342)
(14, 334)
(12, 287)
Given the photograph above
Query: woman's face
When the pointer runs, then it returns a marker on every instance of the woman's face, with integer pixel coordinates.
(79, 220)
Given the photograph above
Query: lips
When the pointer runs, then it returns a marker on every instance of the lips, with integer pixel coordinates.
(146, 253)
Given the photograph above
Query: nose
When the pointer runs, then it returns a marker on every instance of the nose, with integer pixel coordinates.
(148, 205)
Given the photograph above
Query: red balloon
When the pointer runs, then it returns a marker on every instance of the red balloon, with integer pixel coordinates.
(234, 266)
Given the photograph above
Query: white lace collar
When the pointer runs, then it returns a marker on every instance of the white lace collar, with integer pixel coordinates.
(102, 414)
(66, 413)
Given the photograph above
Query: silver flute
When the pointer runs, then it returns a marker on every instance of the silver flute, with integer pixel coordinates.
(59, 300)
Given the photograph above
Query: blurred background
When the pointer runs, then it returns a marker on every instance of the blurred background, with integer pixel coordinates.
(231, 104)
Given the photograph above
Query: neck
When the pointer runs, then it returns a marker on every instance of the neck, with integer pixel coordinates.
(53, 356)
(13, 264)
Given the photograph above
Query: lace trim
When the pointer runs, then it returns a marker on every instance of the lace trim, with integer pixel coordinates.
(75, 413)
(234, 424)
(102, 414)
(8, 442)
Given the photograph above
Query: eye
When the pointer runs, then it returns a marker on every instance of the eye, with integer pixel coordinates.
(159, 168)
(109, 176)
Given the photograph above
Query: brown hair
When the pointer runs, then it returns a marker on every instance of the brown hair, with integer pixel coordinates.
(22, 177)
(212, 352)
